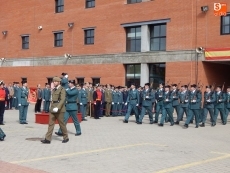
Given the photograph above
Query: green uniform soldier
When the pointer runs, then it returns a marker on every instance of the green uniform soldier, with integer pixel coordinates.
(159, 101)
(64, 80)
(148, 97)
(23, 103)
(57, 110)
(219, 106)
(71, 108)
(167, 107)
(108, 100)
(208, 106)
(227, 103)
(115, 101)
(194, 106)
(175, 101)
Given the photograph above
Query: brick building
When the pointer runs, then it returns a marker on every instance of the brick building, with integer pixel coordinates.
(113, 41)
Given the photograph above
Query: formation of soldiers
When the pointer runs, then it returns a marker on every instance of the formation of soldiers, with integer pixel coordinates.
(64, 99)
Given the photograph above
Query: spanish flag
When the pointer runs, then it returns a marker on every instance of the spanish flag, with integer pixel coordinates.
(217, 54)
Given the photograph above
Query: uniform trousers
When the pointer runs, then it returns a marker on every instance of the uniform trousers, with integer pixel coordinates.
(97, 110)
(83, 110)
(23, 109)
(115, 109)
(46, 106)
(130, 108)
(60, 118)
(2, 110)
(149, 111)
(159, 107)
(165, 112)
(191, 114)
(107, 108)
(205, 113)
(183, 110)
(222, 114)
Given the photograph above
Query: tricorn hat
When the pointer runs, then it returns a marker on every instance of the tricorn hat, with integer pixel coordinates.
(167, 86)
(174, 85)
(63, 74)
(147, 84)
(24, 81)
(209, 86)
(194, 85)
(72, 81)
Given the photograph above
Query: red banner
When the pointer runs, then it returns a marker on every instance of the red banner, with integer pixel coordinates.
(32, 95)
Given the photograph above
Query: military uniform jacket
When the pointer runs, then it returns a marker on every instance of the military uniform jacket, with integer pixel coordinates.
(167, 100)
(90, 94)
(175, 96)
(46, 94)
(196, 96)
(220, 99)
(209, 96)
(133, 97)
(115, 97)
(150, 97)
(83, 96)
(23, 94)
(159, 96)
(71, 99)
(16, 92)
(64, 82)
(108, 95)
(184, 99)
(227, 102)
(58, 99)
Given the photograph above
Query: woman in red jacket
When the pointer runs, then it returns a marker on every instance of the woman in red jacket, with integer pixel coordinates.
(97, 98)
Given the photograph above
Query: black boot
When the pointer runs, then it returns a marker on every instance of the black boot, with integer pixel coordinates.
(202, 125)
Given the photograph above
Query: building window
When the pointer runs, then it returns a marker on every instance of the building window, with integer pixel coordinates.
(25, 42)
(156, 74)
(49, 80)
(96, 80)
(24, 78)
(90, 3)
(133, 1)
(225, 24)
(80, 80)
(133, 74)
(158, 37)
(133, 42)
(89, 36)
(59, 6)
(58, 39)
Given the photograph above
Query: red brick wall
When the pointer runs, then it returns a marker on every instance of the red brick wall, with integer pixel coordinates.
(189, 27)
(109, 73)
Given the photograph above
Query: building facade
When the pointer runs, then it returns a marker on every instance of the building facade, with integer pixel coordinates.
(113, 41)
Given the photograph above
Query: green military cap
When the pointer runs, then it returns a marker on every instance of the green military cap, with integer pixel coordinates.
(56, 79)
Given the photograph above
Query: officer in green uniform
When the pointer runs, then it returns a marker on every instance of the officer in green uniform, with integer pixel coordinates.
(23, 103)
(159, 101)
(57, 110)
(183, 97)
(194, 106)
(175, 101)
(219, 106)
(147, 98)
(83, 100)
(227, 103)
(208, 106)
(167, 106)
(64, 80)
(71, 108)
(115, 101)
(133, 103)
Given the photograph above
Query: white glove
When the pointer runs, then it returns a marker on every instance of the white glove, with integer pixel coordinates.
(126, 103)
(174, 96)
(19, 104)
(220, 100)
(66, 76)
(55, 109)
(14, 97)
(80, 103)
(67, 89)
(147, 97)
(167, 100)
(118, 103)
(43, 99)
(194, 101)
(208, 100)
(160, 96)
(137, 104)
(112, 103)
(95, 103)
(186, 101)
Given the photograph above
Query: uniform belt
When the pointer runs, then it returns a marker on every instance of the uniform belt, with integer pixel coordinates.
(55, 101)
(71, 101)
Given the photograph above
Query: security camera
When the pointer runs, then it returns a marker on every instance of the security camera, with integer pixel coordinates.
(39, 27)
(66, 55)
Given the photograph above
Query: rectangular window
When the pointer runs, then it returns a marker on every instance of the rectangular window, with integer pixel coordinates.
(25, 42)
(96, 80)
(58, 39)
(59, 6)
(158, 37)
(89, 3)
(225, 25)
(156, 74)
(89, 36)
(133, 1)
(133, 39)
(24, 78)
(80, 80)
(133, 74)
(49, 80)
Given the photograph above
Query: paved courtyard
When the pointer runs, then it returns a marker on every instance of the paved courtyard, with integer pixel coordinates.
(110, 146)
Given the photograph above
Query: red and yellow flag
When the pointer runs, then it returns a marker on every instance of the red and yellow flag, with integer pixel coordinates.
(217, 54)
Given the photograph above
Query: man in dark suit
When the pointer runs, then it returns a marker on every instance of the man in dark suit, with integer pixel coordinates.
(39, 99)
(46, 96)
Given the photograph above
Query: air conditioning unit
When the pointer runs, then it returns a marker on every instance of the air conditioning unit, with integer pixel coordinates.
(40, 27)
